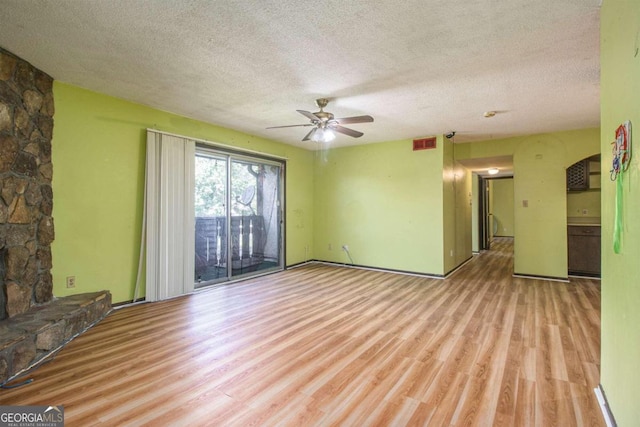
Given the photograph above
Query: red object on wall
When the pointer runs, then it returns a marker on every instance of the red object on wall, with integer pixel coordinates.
(424, 143)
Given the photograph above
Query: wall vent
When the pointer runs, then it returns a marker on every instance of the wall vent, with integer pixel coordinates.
(424, 143)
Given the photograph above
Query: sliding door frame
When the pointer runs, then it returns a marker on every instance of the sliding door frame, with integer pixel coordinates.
(230, 156)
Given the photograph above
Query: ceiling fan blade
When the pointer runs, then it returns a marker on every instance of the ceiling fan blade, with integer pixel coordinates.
(347, 131)
(309, 115)
(310, 134)
(355, 119)
(288, 126)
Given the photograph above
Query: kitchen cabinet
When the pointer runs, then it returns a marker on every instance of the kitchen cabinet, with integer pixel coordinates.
(584, 249)
(578, 176)
(584, 175)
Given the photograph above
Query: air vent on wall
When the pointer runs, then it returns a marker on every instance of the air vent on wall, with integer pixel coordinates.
(424, 143)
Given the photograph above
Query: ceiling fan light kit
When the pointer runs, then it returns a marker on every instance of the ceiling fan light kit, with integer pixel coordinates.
(326, 125)
(322, 134)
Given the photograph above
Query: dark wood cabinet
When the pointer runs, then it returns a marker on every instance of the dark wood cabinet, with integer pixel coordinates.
(584, 175)
(584, 249)
(578, 176)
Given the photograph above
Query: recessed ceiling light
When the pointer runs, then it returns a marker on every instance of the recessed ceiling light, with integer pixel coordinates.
(493, 171)
(488, 114)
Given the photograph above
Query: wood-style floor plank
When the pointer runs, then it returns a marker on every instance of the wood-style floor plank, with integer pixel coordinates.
(330, 346)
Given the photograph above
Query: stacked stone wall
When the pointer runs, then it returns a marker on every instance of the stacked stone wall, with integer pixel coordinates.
(26, 197)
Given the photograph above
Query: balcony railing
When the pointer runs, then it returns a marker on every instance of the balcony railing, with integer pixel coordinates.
(248, 238)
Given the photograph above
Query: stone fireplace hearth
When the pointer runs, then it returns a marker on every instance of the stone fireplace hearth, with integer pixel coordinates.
(32, 322)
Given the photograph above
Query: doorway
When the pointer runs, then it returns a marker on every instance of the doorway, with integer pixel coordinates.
(238, 216)
(484, 214)
(495, 209)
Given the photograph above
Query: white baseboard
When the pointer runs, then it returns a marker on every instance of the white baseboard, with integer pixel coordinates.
(604, 407)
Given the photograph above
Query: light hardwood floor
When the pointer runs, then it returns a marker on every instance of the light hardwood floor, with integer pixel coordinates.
(321, 345)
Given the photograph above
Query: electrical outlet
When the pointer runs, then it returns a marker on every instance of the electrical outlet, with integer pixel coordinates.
(329, 247)
(345, 248)
(71, 281)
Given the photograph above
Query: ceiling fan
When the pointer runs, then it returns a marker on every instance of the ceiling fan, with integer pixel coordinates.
(325, 125)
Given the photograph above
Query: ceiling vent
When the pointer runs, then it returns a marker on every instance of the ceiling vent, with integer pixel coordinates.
(424, 143)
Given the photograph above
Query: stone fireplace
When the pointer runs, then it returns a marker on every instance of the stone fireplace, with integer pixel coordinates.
(26, 225)
(3, 303)
(31, 321)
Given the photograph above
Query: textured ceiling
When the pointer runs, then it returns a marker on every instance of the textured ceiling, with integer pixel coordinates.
(419, 68)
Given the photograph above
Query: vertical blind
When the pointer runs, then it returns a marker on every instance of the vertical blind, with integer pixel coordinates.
(169, 220)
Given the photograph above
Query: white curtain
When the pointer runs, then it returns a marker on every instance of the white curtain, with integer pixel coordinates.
(169, 216)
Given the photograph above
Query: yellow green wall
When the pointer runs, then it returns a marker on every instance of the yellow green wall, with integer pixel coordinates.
(540, 162)
(456, 181)
(385, 202)
(98, 157)
(475, 234)
(541, 227)
(579, 201)
(620, 101)
(503, 206)
(491, 221)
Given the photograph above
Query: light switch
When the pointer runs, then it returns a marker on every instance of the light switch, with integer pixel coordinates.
(525, 203)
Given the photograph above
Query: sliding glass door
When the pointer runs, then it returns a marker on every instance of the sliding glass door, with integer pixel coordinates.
(211, 218)
(243, 195)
